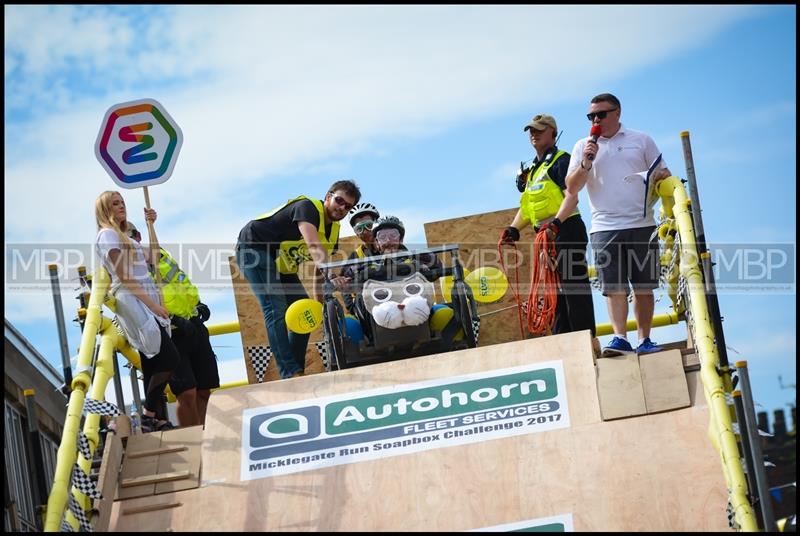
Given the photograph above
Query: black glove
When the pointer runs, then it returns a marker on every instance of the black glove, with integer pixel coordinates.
(552, 228)
(203, 310)
(509, 235)
(554, 225)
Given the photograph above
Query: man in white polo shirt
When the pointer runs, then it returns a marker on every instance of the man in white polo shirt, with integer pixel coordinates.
(625, 250)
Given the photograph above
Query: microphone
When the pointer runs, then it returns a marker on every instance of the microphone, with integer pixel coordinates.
(594, 132)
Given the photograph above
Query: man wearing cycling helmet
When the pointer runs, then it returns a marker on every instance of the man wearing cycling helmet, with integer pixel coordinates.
(362, 218)
(389, 232)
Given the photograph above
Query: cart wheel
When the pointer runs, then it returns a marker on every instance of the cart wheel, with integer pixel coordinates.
(333, 336)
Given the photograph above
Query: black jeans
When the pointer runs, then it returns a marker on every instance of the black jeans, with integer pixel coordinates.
(575, 308)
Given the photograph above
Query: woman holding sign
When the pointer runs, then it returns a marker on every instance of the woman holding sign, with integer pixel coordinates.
(142, 317)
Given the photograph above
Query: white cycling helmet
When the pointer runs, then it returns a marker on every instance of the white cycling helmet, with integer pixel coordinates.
(362, 209)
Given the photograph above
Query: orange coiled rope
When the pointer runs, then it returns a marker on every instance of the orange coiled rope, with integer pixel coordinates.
(545, 282)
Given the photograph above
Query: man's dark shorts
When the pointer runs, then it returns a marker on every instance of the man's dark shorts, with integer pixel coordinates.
(198, 366)
(626, 258)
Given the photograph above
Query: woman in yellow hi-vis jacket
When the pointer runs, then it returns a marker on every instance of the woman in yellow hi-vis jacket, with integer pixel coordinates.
(269, 250)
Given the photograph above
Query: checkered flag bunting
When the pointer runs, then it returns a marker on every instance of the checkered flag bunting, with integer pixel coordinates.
(119, 328)
(476, 327)
(259, 358)
(84, 483)
(322, 348)
(83, 446)
(100, 407)
(79, 514)
(65, 526)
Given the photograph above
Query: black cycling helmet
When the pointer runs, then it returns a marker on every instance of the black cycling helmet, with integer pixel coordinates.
(389, 222)
(363, 209)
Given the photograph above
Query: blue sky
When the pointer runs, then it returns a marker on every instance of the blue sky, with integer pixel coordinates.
(422, 106)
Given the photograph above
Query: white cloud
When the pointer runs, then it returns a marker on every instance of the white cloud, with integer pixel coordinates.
(768, 345)
(260, 91)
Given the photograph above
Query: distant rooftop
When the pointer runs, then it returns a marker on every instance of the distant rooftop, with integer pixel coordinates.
(33, 356)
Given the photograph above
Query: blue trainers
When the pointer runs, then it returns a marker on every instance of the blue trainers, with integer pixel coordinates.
(647, 347)
(616, 347)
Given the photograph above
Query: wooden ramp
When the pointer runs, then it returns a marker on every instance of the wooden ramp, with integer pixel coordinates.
(506, 437)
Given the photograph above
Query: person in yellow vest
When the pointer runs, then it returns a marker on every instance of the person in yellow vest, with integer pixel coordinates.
(197, 372)
(545, 203)
(272, 246)
(362, 219)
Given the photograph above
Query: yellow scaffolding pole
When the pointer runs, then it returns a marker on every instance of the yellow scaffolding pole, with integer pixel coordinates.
(85, 380)
(68, 448)
(222, 329)
(676, 206)
(666, 319)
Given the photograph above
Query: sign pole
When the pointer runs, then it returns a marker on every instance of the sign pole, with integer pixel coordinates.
(155, 250)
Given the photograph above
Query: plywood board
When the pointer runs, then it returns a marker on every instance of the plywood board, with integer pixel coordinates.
(184, 460)
(477, 237)
(697, 396)
(619, 383)
(139, 467)
(107, 481)
(664, 381)
(651, 473)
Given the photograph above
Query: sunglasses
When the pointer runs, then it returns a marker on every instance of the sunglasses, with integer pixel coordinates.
(341, 201)
(362, 226)
(136, 235)
(599, 115)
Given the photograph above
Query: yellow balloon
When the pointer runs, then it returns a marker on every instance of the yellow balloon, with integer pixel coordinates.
(441, 316)
(446, 285)
(304, 316)
(488, 284)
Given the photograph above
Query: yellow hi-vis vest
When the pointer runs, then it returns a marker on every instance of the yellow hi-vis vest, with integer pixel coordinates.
(291, 253)
(180, 295)
(542, 197)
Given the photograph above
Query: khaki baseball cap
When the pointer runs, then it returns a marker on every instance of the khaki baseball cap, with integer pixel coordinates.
(541, 122)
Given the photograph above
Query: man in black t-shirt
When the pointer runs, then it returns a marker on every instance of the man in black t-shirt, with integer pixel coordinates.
(272, 246)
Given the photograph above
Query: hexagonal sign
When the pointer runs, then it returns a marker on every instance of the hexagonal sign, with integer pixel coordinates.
(138, 143)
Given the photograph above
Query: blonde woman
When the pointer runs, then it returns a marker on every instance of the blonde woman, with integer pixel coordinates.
(140, 313)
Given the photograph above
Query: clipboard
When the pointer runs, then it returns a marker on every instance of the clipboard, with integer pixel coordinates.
(650, 191)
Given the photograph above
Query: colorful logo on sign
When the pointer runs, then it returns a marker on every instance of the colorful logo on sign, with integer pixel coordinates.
(138, 143)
